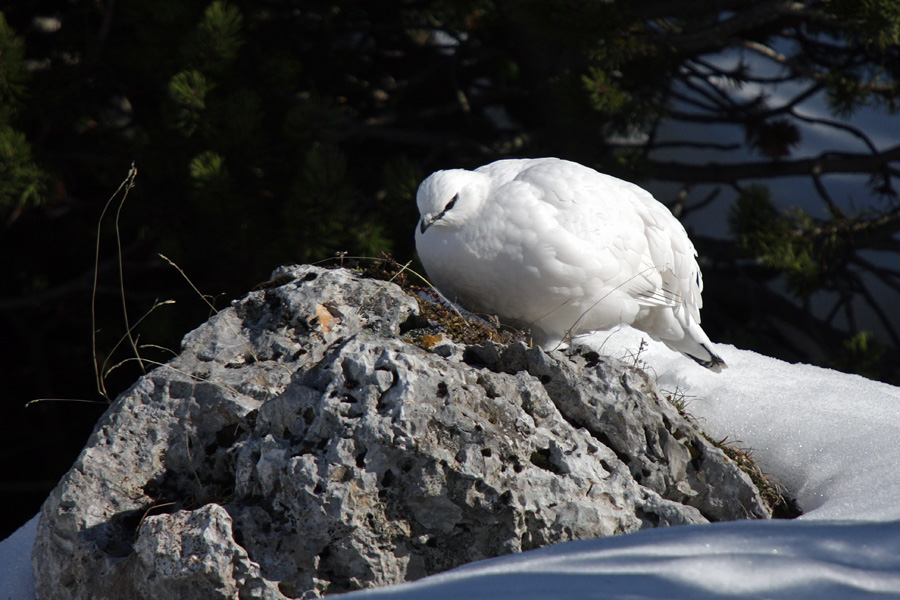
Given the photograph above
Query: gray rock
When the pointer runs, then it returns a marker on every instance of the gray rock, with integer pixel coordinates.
(624, 409)
(191, 554)
(297, 446)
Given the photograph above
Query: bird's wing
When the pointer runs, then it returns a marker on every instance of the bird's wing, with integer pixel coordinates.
(671, 251)
(636, 243)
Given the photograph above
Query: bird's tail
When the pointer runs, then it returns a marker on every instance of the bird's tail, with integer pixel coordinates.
(709, 359)
(697, 346)
(680, 332)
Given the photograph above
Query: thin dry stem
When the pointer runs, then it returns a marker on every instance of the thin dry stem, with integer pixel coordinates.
(126, 185)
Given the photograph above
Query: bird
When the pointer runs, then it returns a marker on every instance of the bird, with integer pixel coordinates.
(564, 250)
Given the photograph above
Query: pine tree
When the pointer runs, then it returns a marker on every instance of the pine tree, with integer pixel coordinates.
(22, 182)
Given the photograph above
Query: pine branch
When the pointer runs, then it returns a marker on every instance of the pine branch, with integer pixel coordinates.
(874, 234)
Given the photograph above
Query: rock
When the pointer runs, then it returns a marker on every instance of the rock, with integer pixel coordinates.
(192, 554)
(625, 411)
(298, 446)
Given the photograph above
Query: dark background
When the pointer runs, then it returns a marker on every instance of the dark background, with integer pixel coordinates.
(275, 132)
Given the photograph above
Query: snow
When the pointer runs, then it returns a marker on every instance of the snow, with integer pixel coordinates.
(783, 560)
(832, 439)
(16, 581)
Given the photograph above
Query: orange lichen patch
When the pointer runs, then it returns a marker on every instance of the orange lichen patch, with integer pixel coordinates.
(428, 341)
(325, 318)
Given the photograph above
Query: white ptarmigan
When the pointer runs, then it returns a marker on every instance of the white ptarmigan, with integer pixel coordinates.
(565, 250)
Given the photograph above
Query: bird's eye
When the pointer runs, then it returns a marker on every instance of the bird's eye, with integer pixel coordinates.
(448, 207)
(451, 203)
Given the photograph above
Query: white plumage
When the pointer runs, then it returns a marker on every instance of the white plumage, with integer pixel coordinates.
(565, 250)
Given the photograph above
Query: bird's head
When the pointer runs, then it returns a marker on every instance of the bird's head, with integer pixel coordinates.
(450, 198)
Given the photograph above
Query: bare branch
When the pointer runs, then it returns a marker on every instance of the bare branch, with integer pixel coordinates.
(765, 51)
(854, 131)
(806, 94)
(827, 162)
(833, 208)
(741, 73)
(886, 275)
(697, 145)
(714, 108)
(751, 16)
(850, 313)
(703, 203)
(882, 316)
(842, 299)
(715, 93)
(654, 8)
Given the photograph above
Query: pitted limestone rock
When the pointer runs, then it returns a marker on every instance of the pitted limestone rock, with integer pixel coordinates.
(382, 446)
(297, 446)
(192, 554)
(624, 409)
